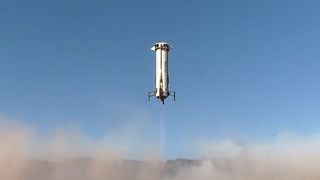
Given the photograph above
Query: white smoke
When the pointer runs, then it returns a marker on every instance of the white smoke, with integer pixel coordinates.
(70, 155)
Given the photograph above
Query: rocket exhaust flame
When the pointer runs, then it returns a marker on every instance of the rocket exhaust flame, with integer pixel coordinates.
(162, 74)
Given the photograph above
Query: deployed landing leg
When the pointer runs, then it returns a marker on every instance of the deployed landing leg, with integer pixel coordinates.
(162, 98)
(173, 94)
(151, 93)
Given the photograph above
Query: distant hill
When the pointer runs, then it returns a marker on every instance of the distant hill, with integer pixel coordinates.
(85, 168)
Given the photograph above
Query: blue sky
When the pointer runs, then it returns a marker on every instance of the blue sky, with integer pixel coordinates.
(241, 69)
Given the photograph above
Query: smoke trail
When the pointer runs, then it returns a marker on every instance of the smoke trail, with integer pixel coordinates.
(162, 135)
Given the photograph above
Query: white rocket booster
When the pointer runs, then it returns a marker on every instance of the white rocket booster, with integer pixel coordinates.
(162, 74)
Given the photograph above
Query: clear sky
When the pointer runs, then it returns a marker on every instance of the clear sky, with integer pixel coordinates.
(241, 69)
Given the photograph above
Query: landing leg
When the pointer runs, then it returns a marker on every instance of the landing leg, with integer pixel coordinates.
(151, 93)
(173, 94)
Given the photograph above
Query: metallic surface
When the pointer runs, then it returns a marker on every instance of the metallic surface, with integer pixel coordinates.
(162, 74)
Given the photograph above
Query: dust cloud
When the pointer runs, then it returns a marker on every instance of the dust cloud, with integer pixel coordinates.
(65, 156)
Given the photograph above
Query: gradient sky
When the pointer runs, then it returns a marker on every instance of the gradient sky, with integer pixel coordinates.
(245, 69)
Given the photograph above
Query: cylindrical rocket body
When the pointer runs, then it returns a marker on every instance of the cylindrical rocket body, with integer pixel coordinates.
(162, 78)
(164, 73)
(158, 72)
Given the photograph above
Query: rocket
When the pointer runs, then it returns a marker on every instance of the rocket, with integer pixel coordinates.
(161, 90)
